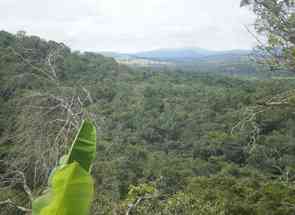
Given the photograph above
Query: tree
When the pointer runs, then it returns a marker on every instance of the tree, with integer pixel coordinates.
(276, 21)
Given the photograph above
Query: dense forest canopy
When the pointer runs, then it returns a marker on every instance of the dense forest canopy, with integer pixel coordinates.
(180, 142)
(204, 139)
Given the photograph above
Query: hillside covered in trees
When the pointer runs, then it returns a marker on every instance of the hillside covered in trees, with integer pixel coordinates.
(169, 142)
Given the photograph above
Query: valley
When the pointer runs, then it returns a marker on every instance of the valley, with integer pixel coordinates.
(188, 141)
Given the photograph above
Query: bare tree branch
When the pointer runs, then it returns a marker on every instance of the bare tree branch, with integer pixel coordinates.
(12, 204)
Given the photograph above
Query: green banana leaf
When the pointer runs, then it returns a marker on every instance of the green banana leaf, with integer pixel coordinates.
(71, 193)
(84, 147)
(41, 202)
(70, 184)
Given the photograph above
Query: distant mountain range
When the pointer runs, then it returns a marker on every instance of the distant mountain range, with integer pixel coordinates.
(180, 54)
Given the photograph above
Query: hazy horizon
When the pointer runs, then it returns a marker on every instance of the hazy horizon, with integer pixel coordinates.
(132, 25)
(169, 48)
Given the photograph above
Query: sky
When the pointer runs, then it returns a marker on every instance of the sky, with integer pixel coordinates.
(132, 25)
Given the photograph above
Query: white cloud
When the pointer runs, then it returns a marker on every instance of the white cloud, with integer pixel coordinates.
(131, 25)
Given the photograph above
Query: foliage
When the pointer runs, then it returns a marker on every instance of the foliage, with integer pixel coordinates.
(71, 186)
(276, 21)
(186, 142)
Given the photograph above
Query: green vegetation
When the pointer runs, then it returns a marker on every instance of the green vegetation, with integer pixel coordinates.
(275, 20)
(70, 184)
(168, 142)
